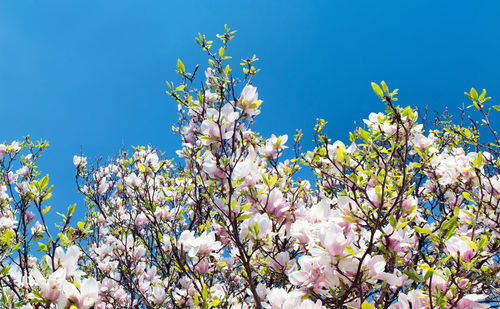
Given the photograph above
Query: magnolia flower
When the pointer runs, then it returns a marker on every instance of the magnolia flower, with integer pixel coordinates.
(374, 119)
(333, 240)
(3, 193)
(68, 261)
(103, 187)
(472, 301)
(422, 142)
(217, 125)
(50, 288)
(3, 151)
(14, 147)
(281, 261)
(158, 295)
(376, 266)
(11, 177)
(274, 146)
(249, 100)
(204, 244)
(84, 297)
(276, 204)
(373, 197)
(278, 298)
(457, 245)
(210, 75)
(301, 231)
(256, 227)
(438, 282)
(23, 171)
(133, 181)
(37, 228)
(312, 273)
(79, 161)
(7, 223)
(414, 299)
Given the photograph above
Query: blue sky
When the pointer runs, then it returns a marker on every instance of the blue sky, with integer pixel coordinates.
(90, 74)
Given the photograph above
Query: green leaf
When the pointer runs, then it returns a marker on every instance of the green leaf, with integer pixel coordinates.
(467, 196)
(71, 209)
(180, 87)
(273, 180)
(46, 210)
(412, 275)
(483, 94)
(5, 299)
(5, 270)
(365, 135)
(402, 225)
(44, 182)
(392, 221)
(180, 66)
(204, 293)
(340, 153)
(227, 70)
(377, 90)
(43, 247)
(484, 241)
(448, 223)
(423, 230)
(81, 225)
(221, 52)
(366, 305)
(473, 94)
(479, 160)
(215, 302)
(196, 300)
(384, 87)
(350, 250)
(429, 273)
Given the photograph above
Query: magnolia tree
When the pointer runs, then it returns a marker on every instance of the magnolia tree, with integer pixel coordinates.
(398, 217)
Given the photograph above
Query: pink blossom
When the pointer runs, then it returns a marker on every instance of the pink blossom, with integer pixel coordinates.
(438, 282)
(333, 240)
(376, 266)
(3, 150)
(460, 245)
(414, 299)
(274, 146)
(67, 260)
(249, 100)
(23, 171)
(472, 301)
(422, 142)
(311, 274)
(373, 197)
(133, 181)
(79, 161)
(28, 216)
(280, 262)
(141, 220)
(52, 287)
(84, 297)
(257, 227)
(158, 295)
(11, 177)
(276, 204)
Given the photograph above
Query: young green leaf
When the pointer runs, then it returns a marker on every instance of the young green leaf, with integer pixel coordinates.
(378, 91)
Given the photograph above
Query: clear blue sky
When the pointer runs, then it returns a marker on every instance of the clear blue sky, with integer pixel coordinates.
(91, 73)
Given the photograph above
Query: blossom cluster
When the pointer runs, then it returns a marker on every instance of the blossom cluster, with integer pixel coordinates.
(398, 217)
